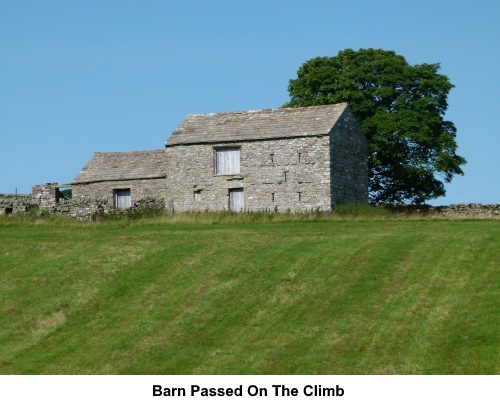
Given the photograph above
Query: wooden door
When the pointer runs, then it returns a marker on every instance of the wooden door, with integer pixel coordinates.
(236, 200)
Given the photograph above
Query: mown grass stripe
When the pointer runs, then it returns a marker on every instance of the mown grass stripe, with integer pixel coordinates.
(287, 297)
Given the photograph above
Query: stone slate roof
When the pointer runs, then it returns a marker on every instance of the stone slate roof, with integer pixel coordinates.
(105, 166)
(257, 124)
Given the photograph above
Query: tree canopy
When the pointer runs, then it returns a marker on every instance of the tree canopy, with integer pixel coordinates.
(401, 110)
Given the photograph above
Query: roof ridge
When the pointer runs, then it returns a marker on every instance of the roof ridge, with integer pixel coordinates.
(129, 152)
(268, 109)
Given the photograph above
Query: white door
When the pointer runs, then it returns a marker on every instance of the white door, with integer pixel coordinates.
(236, 201)
(227, 161)
(122, 199)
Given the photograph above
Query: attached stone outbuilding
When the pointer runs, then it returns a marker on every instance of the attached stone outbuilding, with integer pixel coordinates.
(296, 159)
(122, 177)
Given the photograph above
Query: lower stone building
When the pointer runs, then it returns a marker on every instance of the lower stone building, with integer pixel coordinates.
(122, 177)
(296, 159)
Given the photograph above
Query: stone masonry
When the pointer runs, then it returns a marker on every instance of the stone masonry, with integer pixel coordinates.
(140, 189)
(46, 198)
(15, 203)
(271, 176)
(47, 195)
(141, 172)
(290, 159)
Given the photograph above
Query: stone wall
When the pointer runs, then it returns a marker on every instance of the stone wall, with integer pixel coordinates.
(449, 211)
(349, 162)
(15, 203)
(139, 189)
(46, 195)
(469, 210)
(47, 198)
(282, 174)
(90, 208)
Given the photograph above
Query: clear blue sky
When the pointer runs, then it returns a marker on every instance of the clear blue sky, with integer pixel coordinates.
(78, 77)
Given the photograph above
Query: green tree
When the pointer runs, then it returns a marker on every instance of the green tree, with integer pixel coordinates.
(401, 110)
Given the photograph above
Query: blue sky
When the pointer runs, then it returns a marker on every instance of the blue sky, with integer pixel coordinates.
(78, 77)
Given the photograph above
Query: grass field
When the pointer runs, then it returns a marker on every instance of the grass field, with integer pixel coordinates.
(283, 295)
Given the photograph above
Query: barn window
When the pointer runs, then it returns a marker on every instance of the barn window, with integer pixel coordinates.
(121, 198)
(227, 161)
(197, 195)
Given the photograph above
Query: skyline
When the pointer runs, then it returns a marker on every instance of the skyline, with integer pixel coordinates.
(88, 76)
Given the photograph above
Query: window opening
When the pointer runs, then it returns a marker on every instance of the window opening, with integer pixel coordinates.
(67, 193)
(121, 198)
(227, 161)
(272, 197)
(300, 195)
(197, 195)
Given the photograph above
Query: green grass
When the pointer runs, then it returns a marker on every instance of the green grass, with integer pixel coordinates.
(345, 293)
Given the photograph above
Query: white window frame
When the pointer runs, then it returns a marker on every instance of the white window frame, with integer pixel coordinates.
(227, 160)
(121, 201)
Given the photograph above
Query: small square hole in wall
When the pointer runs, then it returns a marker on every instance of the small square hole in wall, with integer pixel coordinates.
(197, 195)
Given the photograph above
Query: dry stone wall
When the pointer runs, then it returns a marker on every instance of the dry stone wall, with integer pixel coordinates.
(15, 203)
(90, 208)
(48, 198)
(449, 211)
(469, 210)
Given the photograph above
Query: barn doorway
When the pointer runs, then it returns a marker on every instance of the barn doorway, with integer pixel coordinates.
(236, 200)
(122, 198)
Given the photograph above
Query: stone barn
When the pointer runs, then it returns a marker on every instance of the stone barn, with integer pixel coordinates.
(296, 159)
(122, 177)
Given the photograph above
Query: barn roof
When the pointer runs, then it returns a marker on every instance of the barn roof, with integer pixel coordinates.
(104, 166)
(257, 124)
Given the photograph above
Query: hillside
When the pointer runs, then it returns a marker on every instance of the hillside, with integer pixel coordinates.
(379, 296)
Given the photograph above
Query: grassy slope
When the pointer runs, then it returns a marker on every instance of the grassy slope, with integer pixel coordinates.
(327, 297)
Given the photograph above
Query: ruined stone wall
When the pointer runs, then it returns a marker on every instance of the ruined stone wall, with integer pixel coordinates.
(47, 198)
(139, 189)
(349, 162)
(89, 208)
(15, 203)
(46, 195)
(283, 174)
